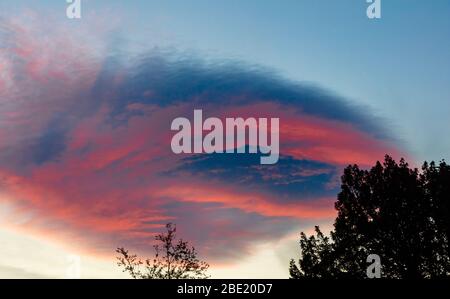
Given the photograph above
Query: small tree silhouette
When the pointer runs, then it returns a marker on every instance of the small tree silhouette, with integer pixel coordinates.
(173, 260)
(398, 213)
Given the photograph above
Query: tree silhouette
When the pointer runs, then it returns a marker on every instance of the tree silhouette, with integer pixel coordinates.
(173, 260)
(398, 213)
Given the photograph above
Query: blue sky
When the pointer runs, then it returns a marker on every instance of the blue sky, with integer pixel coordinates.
(394, 71)
(398, 65)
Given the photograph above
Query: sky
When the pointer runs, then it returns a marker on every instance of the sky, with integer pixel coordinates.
(86, 106)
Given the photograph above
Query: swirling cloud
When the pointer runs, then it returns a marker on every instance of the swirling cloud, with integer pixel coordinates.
(85, 146)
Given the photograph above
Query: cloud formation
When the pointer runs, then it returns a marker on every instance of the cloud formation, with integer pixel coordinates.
(85, 152)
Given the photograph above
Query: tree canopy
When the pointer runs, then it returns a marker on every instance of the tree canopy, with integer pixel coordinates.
(397, 212)
(172, 260)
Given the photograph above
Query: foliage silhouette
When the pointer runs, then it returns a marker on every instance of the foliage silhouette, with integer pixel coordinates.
(399, 213)
(173, 260)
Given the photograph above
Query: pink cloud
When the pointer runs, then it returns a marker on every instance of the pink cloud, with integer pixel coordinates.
(109, 185)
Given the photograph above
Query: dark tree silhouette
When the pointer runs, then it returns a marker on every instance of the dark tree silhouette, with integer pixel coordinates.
(398, 213)
(173, 260)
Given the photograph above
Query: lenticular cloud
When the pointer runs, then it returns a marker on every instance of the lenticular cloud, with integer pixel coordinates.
(85, 152)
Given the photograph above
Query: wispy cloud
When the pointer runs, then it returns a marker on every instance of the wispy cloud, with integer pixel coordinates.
(85, 145)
